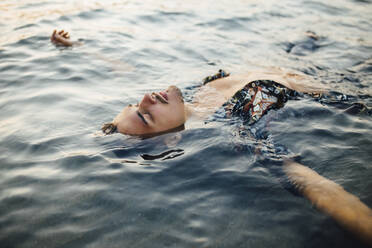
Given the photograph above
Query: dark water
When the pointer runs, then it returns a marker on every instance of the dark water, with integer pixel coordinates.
(63, 184)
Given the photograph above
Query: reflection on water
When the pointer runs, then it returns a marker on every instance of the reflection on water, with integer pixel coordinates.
(64, 184)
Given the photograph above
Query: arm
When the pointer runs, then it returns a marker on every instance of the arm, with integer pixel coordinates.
(62, 38)
(346, 209)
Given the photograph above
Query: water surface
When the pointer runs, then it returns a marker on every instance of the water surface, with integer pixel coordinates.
(64, 184)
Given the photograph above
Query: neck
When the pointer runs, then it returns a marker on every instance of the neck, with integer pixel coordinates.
(200, 111)
(189, 110)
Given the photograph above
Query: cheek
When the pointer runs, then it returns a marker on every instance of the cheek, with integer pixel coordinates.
(169, 116)
(181, 110)
(176, 114)
(181, 113)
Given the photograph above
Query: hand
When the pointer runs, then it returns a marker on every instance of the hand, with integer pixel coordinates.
(61, 38)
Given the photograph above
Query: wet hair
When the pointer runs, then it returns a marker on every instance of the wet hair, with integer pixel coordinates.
(109, 128)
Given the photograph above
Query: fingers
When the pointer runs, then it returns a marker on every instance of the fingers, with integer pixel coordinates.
(60, 33)
(61, 38)
(64, 34)
(53, 35)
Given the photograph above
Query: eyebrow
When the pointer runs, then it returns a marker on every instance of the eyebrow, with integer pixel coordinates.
(142, 118)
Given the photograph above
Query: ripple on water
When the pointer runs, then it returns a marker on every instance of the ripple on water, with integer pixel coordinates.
(64, 185)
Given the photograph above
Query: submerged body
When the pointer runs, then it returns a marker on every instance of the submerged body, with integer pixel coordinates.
(164, 111)
(346, 209)
(251, 100)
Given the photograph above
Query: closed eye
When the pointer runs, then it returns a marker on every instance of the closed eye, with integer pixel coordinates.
(142, 118)
(150, 115)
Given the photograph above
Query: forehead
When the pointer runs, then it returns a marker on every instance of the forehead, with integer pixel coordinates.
(131, 120)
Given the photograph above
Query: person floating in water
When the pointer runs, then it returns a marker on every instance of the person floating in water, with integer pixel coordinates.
(250, 97)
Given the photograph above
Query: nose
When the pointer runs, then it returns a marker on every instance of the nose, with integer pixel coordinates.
(147, 100)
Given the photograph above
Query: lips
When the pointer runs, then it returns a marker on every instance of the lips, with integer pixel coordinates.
(161, 96)
(164, 95)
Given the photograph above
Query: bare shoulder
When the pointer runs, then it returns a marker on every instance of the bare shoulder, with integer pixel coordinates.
(293, 80)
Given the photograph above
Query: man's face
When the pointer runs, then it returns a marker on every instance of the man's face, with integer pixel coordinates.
(157, 112)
